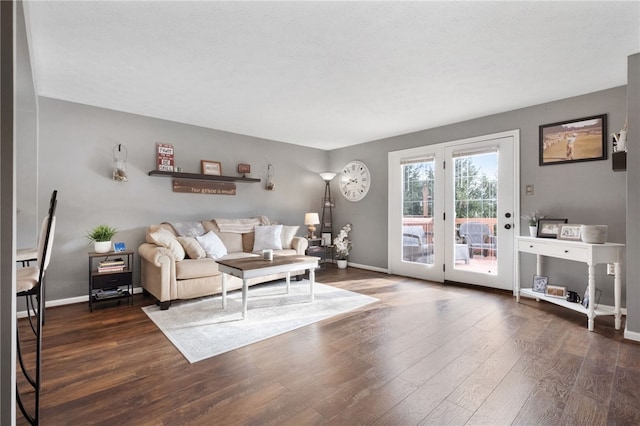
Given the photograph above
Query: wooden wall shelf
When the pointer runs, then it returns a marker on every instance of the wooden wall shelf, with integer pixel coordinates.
(198, 176)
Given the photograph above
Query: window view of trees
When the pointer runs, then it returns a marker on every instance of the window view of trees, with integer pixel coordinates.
(476, 192)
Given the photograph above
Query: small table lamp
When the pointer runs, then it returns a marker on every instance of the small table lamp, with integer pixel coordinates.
(311, 219)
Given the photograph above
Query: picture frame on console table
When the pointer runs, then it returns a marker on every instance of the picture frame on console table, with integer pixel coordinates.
(213, 168)
(557, 291)
(570, 232)
(571, 141)
(548, 228)
(540, 283)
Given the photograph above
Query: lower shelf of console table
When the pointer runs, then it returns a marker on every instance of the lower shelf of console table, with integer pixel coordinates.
(591, 254)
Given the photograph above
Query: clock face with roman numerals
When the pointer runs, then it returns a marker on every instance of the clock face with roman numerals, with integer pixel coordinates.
(355, 180)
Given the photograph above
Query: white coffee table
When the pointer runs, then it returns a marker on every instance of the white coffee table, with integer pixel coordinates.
(255, 267)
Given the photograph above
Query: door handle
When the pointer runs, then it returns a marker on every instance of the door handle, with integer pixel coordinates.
(507, 226)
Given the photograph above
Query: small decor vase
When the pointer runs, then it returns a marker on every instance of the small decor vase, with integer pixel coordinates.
(342, 263)
(102, 246)
(533, 231)
(594, 234)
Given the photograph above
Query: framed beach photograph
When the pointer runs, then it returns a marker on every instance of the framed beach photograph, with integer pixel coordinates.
(540, 284)
(548, 228)
(211, 167)
(557, 291)
(569, 232)
(582, 139)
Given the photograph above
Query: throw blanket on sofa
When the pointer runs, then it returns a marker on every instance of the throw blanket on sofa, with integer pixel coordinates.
(188, 229)
(241, 226)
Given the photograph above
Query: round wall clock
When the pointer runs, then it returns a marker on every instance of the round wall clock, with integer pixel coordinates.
(355, 180)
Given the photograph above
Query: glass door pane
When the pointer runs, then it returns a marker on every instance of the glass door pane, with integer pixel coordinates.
(476, 207)
(418, 211)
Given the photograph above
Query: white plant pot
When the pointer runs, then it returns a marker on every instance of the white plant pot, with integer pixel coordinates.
(102, 246)
(533, 231)
(342, 264)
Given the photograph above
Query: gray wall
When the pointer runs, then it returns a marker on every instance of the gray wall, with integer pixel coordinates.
(633, 196)
(589, 192)
(76, 158)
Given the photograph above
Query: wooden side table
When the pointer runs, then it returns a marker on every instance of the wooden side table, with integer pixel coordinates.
(110, 284)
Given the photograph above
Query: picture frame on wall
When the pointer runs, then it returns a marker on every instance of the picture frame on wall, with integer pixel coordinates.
(569, 232)
(211, 167)
(548, 228)
(570, 141)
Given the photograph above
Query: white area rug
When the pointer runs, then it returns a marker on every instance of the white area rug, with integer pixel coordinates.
(201, 328)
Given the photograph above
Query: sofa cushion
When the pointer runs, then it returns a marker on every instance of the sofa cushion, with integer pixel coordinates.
(212, 245)
(268, 237)
(165, 238)
(288, 232)
(231, 240)
(192, 247)
(196, 268)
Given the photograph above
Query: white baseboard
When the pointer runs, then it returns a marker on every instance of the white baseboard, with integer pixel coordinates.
(368, 268)
(631, 335)
(70, 301)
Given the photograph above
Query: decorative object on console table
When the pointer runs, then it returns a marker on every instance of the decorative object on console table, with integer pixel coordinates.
(548, 228)
(311, 220)
(582, 139)
(532, 220)
(594, 234)
(110, 278)
(211, 167)
(557, 291)
(540, 283)
(569, 232)
(101, 237)
(120, 163)
(165, 159)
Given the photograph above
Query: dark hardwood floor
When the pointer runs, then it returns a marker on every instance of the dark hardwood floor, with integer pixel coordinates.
(424, 354)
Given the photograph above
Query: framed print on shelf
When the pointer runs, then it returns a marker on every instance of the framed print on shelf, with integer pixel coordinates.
(582, 139)
(569, 232)
(548, 228)
(326, 238)
(211, 167)
(557, 291)
(540, 284)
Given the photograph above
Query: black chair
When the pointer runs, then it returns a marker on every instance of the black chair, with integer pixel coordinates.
(30, 284)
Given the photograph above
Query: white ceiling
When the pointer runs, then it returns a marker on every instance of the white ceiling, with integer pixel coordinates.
(327, 74)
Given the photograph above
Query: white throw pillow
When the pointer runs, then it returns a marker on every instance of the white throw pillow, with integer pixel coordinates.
(212, 245)
(267, 237)
(164, 238)
(288, 232)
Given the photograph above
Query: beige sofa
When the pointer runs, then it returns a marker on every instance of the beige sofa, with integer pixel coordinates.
(173, 266)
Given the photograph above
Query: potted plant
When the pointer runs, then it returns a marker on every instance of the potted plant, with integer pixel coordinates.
(343, 245)
(533, 222)
(101, 236)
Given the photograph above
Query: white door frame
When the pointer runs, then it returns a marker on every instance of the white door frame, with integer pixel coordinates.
(394, 236)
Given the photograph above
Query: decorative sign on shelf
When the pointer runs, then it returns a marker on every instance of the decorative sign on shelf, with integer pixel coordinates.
(204, 187)
(165, 157)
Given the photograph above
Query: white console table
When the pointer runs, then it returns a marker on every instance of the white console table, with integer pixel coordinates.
(591, 254)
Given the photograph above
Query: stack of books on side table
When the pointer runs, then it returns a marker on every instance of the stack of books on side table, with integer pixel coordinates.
(115, 265)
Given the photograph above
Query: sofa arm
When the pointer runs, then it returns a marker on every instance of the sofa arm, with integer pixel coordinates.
(153, 254)
(299, 244)
(158, 272)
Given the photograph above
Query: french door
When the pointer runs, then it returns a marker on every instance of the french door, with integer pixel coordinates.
(453, 210)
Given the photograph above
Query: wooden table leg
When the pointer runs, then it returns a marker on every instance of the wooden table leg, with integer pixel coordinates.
(312, 280)
(245, 289)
